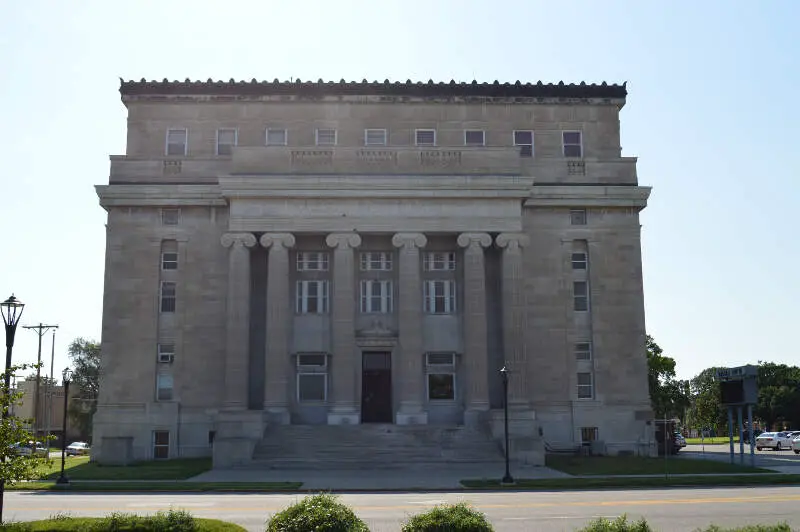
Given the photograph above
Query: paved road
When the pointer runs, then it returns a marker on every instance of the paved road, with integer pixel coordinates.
(666, 510)
(783, 461)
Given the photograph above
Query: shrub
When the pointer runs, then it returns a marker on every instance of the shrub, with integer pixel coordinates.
(783, 527)
(449, 518)
(620, 524)
(320, 513)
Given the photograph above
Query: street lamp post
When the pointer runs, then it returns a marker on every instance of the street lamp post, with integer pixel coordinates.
(66, 376)
(11, 310)
(507, 479)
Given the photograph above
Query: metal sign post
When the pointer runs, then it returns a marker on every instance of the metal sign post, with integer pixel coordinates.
(739, 388)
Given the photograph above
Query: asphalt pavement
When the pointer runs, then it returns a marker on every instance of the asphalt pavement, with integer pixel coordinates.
(666, 510)
(780, 461)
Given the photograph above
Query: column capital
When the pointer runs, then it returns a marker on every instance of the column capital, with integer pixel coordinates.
(343, 240)
(512, 241)
(409, 240)
(239, 239)
(285, 240)
(468, 240)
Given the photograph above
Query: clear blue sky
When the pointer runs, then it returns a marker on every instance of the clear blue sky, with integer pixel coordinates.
(713, 92)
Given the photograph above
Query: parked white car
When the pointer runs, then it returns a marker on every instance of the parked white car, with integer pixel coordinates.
(796, 444)
(774, 440)
(77, 448)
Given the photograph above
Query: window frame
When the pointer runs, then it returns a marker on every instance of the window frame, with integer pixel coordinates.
(167, 143)
(429, 261)
(580, 264)
(576, 297)
(449, 297)
(483, 137)
(157, 445)
(582, 214)
(303, 261)
(514, 141)
(564, 143)
(311, 370)
(367, 259)
(165, 262)
(424, 130)
(584, 386)
(302, 297)
(285, 136)
(235, 141)
(385, 298)
(166, 220)
(583, 351)
(335, 136)
(170, 391)
(370, 144)
(165, 349)
(434, 369)
(164, 298)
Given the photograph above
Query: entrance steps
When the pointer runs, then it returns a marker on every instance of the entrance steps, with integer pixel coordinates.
(372, 446)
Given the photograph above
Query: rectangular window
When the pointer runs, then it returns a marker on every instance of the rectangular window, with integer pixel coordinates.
(376, 261)
(169, 260)
(226, 140)
(161, 444)
(376, 297)
(440, 297)
(312, 377)
(441, 376)
(589, 434)
(170, 216)
(577, 217)
(164, 387)
(312, 297)
(326, 137)
(579, 261)
(166, 353)
(374, 137)
(312, 261)
(168, 295)
(276, 137)
(583, 351)
(580, 295)
(585, 386)
(524, 140)
(176, 142)
(474, 137)
(425, 137)
(438, 261)
(573, 143)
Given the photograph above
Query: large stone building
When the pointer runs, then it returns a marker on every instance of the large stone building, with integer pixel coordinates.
(311, 253)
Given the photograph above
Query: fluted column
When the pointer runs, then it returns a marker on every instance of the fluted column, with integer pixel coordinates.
(409, 312)
(345, 363)
(475, 328)
(237, 343)
(514, 317)
(279, 315)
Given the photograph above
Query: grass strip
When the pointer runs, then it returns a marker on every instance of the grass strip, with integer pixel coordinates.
(99, 485)
(633, 482)
(79, 468)
(88, 523)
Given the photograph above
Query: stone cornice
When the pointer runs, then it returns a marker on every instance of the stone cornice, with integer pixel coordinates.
(588, 196)
(159, 195)
(395, 186)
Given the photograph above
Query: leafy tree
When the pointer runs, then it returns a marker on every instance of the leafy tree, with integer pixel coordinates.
(668, 395)
(778, 395)
(706, 411)
(85, 356)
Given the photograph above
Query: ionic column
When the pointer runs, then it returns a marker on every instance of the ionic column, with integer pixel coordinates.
(279, 315)
(514, 317)
(344, 364)
(237, 342)
(475, 328)
(411, 379)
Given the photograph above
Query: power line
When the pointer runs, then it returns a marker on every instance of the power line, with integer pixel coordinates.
(40, 331)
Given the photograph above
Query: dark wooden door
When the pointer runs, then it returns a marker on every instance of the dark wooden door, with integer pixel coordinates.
(376, 388)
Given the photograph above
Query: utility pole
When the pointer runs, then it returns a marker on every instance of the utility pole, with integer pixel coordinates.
(49, 396)
(40, 330)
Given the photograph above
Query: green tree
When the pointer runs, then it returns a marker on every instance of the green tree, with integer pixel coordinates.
(778, 395)
(705, 410)
(85, 356)
(668, 395)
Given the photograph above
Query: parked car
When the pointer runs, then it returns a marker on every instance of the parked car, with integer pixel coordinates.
(774, 440)
(680, 441)
(30, 448)
(796, 444)
(77, 448)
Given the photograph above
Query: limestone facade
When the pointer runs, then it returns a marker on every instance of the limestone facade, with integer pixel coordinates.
(347, 253)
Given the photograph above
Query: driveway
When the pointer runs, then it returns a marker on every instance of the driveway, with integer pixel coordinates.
(781, 461)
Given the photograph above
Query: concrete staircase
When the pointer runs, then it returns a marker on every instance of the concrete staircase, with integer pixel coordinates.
(371, 446)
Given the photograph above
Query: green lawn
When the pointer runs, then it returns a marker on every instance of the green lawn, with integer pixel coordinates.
(634, 482)
(717, 440)
(59, 524)
(79, 468)
(640, 465)
(155, 486)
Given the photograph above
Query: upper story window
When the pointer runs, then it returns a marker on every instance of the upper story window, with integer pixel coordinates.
(168, 297)
(375, 137)
(276, 137)
(524, 140)
(579, 260)
(312, 297)
(583, 351)
(169, 260)
(376, 297)
(438, 261)
(573, 143)
(226, 140)
(474, 137)
(176, 142)
(326, 137)
(376, 261)
(164, 385)
(577, 217)
(439, 297)
(312, 261)
(425, 137)
(580, 296)
(170, 216)
(585, 386)
(166, 353)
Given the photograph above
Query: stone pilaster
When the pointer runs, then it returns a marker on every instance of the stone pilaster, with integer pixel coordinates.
(277, 365)
(237, 319)
(411, 376)
(514, 317)
(475, 327)
(345, 363)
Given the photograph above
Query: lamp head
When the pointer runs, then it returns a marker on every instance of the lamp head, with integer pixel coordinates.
(11, 310)
(66, 376)
(504, 373)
